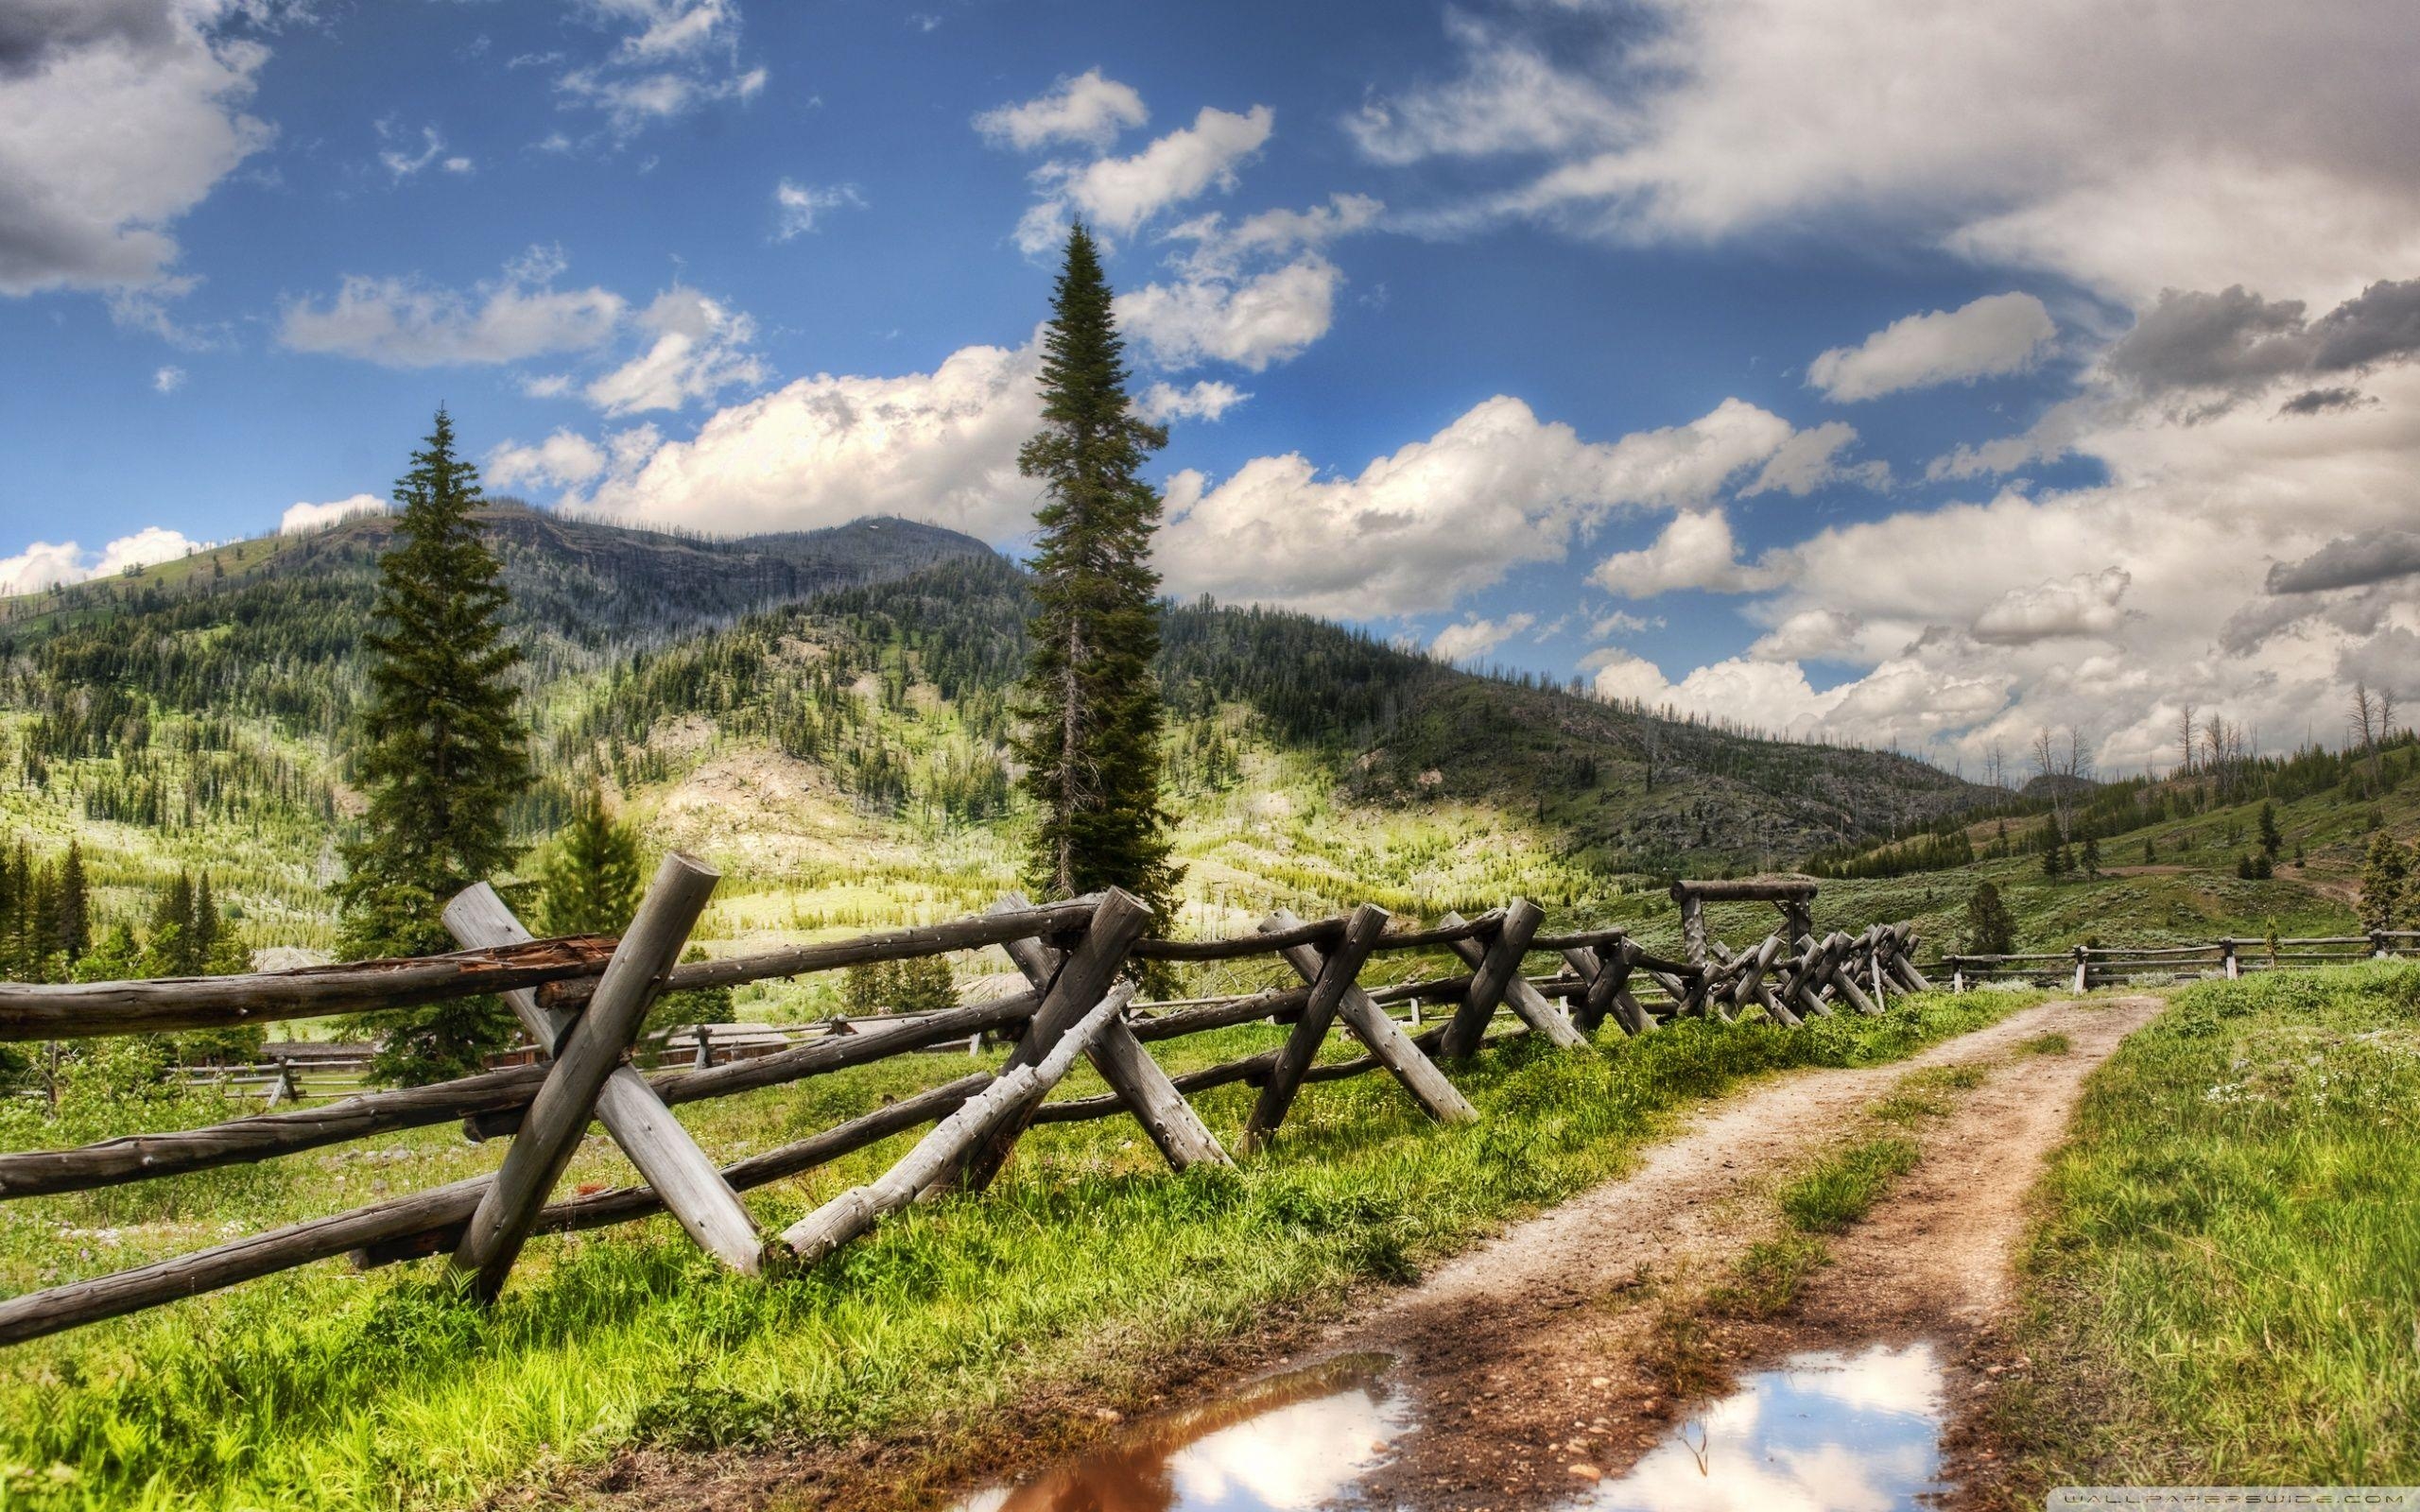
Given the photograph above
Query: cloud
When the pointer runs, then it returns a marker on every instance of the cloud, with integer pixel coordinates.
(1250, 292)
(301, 519)
(700, 348)
(1810, 635)
(1695, 550)
(2324, 401)
(45, 564)
(1438, 519)
(2265, 144)
(1997, 335)
(405, 322)
(399, 159)
(1623, 622)
(1476, 637)
(798, 206)
(1118, 195)
(1811, 458)
(1270, 318)
(565, 459)
(1207, 400)
(674, 56)
(1088, 110)
(1765, 694)
(821, 451)
(168, 380)
(2350, 562)
(117, 119)
(2086, 604)
(2235, 343)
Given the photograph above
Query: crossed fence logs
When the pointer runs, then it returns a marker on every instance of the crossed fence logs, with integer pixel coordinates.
(583, 999)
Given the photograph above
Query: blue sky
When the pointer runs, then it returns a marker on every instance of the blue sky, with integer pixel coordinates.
(1842, 367)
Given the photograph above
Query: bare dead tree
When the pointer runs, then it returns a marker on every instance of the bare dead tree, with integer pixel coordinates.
(2360, 716)
(2185, 742)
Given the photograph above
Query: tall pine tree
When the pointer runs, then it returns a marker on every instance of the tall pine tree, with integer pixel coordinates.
(1089, 704)
(442, 752)
(590, 884)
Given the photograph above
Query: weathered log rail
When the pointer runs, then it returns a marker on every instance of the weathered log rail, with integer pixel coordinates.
(582, 999)
(2085, 966)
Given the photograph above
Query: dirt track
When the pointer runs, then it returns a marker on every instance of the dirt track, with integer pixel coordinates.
(1555, 1345)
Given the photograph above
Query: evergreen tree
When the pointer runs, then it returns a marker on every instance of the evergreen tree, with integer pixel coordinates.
(205, 924)
(700, 1004)
(925, 985)
(2382, 882)
(590, 884)
(866, 987)
(1090, 703)
(442, 752)
(173, 951)
(2271, 840)
(75, 906)
(1991, 928)
(2089, 862)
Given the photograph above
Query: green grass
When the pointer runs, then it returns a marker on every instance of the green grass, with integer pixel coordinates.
(1844, 1187)
(2044, 1044)
(2226, 1273)
(1088, 1261)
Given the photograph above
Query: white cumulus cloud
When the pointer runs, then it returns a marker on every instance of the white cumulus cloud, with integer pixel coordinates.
(799, 207)
(1118, 195)
(1087, 109)
(1997, 335)
(698, 348)
(1477, 637)
(565, 459)
(46, 564)
(408, 322)
(1207, 400)
(301, 519)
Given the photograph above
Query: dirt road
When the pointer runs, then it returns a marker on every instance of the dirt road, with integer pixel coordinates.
(1560, 1343)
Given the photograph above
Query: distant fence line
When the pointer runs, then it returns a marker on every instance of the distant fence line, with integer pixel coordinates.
(2089, 965)
(583, 999)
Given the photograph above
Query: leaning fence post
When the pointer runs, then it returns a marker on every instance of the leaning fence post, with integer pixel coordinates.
(2226, 958)
(692, 1187)
(1084, 977)
(1495, 972)
(1328, 988)
(1122, 1061)
(1388, 1045)
(587, 1056)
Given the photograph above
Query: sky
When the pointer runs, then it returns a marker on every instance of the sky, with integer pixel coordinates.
(1894, 374)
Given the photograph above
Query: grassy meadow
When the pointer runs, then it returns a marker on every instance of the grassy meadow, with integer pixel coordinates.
(1089, 1261)
(2225, 1281)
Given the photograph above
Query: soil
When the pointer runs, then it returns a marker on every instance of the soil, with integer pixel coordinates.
(1560, 1351)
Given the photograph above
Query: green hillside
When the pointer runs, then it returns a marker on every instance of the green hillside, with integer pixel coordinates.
(823, 715)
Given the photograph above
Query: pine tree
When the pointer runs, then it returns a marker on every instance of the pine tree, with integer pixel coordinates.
(173, 949)
(205, 924)
(2271, 840)
(2089, 862)
(1991, 928)
(1089, 704)
(442, 752)
(590, 884)
(2382, 881)
(75, 906)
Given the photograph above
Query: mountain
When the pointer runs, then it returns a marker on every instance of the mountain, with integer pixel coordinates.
(824, 713)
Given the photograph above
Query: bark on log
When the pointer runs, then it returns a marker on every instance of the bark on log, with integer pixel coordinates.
(1116, 921)
(560, 1113)
(682, 1176)
(1335, 979)
(1005, 1107)
(1519, 995)
(1129, 1069)
(1386, 1043)
(1498, 968)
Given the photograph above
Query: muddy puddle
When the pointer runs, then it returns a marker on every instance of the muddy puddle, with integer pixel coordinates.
(1823, 1433)
(1286, 1443)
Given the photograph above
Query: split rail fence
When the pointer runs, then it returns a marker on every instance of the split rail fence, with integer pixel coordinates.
(2086, 967)
(583, 999)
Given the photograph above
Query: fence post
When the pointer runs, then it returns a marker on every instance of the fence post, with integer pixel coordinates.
(1083, 980)
(692, 1187)
(587, 1056)
(1122, 1061)
(1496, 968)
(1328, 988)
(2083, 969)
(1386, 1043)
(2378, 945)
(1608, 973)
(2227, 957)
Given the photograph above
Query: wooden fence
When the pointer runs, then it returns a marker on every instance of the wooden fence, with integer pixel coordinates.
(2086, 967)
(583, 999)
